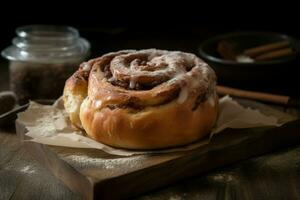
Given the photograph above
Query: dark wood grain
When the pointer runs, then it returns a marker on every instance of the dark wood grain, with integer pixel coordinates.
(226, 148)
(272, 176)
(154, 171)
(22, 177)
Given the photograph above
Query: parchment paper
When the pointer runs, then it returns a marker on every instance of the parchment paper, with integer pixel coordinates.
(50, 125)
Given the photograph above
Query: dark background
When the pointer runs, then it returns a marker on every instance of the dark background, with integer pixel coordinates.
(182, 25)
(179, 25)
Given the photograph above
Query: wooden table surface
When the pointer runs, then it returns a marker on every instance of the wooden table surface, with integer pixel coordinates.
(272, 176)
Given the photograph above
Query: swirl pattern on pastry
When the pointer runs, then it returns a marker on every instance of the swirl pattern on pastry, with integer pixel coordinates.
(145, 99)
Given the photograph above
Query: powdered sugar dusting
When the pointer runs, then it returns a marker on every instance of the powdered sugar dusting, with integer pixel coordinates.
(114, 164)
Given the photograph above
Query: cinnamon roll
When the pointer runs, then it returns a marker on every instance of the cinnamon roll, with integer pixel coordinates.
(146, 99)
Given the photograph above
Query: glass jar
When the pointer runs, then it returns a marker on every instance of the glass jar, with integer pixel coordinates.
(41, 58)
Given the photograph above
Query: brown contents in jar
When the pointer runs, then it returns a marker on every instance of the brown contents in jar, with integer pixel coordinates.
(38, 80)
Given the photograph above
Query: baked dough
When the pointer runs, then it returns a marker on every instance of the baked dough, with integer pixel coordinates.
(146, 99)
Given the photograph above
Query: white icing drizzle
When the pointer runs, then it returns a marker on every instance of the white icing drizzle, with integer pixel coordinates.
(132, 82)
(211, 99)
(174, 67)
(98, 103)
(108, 98)
(86, 66)
(111, 79)
(183, 95)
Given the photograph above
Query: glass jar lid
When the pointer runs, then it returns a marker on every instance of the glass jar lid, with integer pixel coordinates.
(46, 43)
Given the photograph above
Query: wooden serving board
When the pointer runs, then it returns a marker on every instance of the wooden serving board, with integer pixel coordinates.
(94, 174)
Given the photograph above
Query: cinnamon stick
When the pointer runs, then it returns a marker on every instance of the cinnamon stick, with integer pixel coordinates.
(255, 51)
(266, 97)
(275, 54)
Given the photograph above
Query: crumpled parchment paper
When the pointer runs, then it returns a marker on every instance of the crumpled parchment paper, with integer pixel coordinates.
(50, 125)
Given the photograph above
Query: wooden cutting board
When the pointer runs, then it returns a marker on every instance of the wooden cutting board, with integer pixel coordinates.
(94, 174)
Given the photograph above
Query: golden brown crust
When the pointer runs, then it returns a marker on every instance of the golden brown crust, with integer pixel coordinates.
(75, 92)
(121, 105)
(165, 126)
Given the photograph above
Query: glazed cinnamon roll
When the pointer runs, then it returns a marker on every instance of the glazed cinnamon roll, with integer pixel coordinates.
(147, 99)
